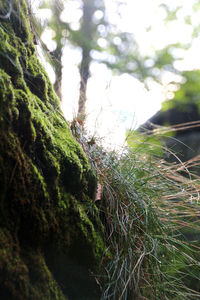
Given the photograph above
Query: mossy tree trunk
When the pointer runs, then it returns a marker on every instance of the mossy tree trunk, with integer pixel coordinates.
(49, 239)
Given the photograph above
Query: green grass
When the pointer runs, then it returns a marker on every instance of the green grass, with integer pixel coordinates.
(150, 212)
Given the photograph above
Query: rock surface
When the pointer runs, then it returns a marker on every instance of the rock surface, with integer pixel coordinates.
(182, 115)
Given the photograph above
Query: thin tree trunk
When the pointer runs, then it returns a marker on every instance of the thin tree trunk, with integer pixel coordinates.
(57, 8)
(84, 74)
(87, 32)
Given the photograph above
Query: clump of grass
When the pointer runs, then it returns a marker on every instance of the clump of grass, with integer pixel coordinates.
(147, 207)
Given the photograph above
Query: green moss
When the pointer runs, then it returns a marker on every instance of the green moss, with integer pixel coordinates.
(45, 178)
(25, 273)
(89, 233)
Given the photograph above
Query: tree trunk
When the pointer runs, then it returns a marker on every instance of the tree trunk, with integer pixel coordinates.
(57, 8)
(48, 241)
(87, 32)
(84, 74)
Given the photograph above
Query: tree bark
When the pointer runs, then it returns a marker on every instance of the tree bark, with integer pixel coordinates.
(86, 46)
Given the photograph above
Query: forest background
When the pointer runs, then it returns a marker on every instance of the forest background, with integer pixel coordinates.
(125, 57)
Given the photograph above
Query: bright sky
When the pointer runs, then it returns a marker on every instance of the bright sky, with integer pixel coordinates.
(116, 103)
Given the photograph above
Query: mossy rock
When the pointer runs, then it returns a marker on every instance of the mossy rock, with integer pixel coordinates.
(51, 238)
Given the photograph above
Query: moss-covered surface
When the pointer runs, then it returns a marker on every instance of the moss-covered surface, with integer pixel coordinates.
(50, 234)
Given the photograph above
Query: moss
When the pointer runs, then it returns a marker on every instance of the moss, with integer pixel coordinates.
(89, 233)
(25, 273)
(46, 182)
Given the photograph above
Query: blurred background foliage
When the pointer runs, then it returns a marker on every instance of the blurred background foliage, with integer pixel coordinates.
(86, 25)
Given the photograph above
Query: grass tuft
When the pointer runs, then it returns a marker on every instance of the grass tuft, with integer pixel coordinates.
(150, 212)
